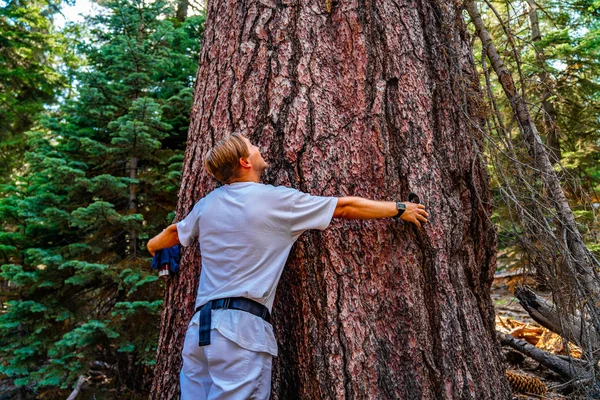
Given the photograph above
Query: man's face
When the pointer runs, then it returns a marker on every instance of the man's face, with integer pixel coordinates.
(258, 163)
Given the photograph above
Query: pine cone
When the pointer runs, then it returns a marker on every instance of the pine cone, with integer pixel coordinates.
(521, 383)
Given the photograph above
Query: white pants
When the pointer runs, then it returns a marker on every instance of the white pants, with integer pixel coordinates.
(223, 370)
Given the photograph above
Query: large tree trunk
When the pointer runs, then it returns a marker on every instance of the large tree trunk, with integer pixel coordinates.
(371, 99)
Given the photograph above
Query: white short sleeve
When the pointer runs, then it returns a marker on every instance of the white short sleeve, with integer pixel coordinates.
(187, 228)
(311, 212)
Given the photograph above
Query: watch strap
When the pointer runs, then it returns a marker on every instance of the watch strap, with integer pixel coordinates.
(401, 208)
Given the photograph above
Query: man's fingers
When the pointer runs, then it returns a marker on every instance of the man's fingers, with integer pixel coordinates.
(415, 214)
(413, 219)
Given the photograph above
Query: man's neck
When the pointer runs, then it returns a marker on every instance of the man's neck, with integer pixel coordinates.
(247, 178)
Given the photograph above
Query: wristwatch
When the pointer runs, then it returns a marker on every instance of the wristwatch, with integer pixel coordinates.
(401, 208)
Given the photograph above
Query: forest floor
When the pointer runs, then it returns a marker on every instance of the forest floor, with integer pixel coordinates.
(512, 318)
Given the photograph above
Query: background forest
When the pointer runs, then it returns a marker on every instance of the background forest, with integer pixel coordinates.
(93, 124)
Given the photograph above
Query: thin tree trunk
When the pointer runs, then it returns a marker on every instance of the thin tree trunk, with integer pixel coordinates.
(133, 167)
(578, 262)
(549, 113)
(182, 10)
(375, 99)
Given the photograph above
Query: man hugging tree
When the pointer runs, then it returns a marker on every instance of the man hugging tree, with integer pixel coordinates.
(245, 230)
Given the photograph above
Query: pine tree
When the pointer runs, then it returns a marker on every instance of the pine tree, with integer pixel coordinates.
(30, 52)
(103, 169)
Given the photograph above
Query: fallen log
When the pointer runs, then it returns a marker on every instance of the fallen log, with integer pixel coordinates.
(511, 274)
(571, 327)
(572, 369)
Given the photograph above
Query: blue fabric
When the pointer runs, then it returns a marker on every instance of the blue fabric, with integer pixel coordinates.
(169, 256)
(204, 324)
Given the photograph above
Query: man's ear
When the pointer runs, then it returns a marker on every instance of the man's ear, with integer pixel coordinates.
(245, 163)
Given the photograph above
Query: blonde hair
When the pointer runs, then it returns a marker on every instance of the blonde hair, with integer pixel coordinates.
(223, 160)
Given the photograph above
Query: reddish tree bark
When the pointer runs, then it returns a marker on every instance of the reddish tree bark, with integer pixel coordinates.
(359, 98)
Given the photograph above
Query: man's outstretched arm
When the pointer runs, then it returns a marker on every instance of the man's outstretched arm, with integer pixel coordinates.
(359, 208)
(164, 240)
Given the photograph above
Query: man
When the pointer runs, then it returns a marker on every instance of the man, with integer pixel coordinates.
(245, 231)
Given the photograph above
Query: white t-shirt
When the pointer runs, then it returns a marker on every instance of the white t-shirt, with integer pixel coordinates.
(245, 231)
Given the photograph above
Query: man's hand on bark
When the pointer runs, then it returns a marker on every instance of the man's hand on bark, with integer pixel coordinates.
(414, 213)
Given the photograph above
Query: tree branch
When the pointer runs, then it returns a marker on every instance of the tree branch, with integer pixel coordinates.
(78, 385)
(568, 370)
(577, 261)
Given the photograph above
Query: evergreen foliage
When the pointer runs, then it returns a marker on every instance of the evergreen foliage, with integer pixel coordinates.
(103, 171)
(30, 50)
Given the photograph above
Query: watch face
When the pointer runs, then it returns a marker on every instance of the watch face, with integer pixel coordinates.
(401, 208)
